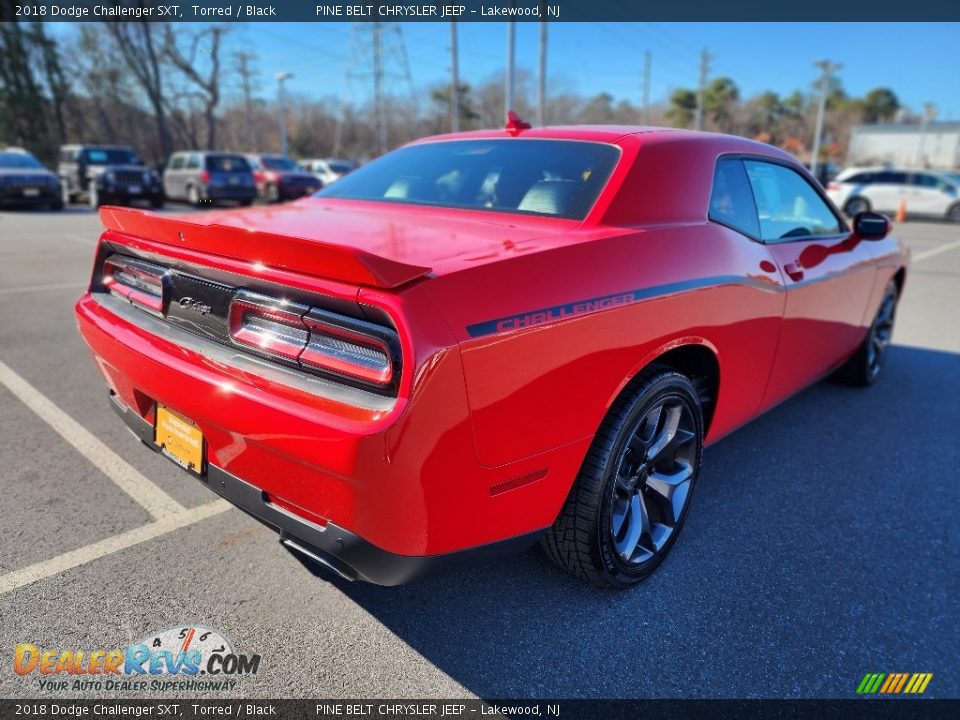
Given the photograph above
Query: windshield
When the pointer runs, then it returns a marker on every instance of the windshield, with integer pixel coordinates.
(18, 160)
(111, 156)
(560, 178)
(278, 163)
(227, 163)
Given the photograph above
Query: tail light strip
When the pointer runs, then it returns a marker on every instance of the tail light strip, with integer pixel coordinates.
(311, 339)
(344, 347)
(139, 283)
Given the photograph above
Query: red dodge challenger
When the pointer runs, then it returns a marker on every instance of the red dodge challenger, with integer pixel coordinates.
(488, 338)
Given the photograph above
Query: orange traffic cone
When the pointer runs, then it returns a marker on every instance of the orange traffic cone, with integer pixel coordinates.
(901, 212)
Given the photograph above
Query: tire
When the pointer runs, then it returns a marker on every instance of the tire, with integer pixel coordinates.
(856, 205)
(630, 499)
(57, 204)
(156, 203)
(953, 213)
(246, 203)
(863, 369)
(193, 195)
(273, 193)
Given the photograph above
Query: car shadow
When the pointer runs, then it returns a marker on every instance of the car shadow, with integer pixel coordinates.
(821, 544)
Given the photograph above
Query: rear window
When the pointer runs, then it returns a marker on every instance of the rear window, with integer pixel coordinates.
(110, 156)
(560, 178)
(227, 163)
(278, 163)
(18, 160)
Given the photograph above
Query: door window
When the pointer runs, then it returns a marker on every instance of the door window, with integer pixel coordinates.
(731, 201)
(788, 207)
(193, 162)
(177, 162)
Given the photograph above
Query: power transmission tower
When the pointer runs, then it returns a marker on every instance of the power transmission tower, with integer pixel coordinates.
(647, 59)
(377, 52)
(827, 69)
(702, 88)
(246, 72)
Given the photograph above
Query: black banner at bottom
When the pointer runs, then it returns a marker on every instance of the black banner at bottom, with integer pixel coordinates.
(899, 709)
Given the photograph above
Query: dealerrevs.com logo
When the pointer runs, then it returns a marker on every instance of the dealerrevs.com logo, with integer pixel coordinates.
(176, 659)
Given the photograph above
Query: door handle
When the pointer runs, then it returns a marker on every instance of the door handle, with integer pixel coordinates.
(794, 270)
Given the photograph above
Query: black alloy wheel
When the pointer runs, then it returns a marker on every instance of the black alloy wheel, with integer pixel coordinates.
(632, 494)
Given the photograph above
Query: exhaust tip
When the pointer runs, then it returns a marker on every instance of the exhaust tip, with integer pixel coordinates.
(326, 562)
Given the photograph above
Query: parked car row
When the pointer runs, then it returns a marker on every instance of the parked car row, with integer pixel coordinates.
(115, 175)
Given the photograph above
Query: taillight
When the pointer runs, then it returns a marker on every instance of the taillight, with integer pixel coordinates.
(139, 283)
(317, 340)
(356, 353)
(833, 186)
(204, 176)
(268, 325)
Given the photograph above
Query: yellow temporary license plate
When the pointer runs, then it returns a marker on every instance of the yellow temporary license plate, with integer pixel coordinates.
(179, 439)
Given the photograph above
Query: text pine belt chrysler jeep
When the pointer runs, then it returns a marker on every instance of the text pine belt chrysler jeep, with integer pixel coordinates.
(486, 339)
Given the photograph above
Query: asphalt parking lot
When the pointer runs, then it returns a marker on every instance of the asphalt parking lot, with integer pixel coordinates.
(822, 543)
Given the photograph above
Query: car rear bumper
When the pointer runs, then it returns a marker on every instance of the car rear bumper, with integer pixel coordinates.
(348, 555)
(229, 193)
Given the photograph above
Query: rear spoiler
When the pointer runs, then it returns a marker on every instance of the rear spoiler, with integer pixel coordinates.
(302, 255)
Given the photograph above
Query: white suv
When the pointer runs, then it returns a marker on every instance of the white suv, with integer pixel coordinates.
(926, 192)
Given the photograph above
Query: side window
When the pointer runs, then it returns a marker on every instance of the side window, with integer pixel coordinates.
(928, 181)
(862, 178)
(892, 178)
(193, 162)
(177, 162)
(787, 206)
(731, 201)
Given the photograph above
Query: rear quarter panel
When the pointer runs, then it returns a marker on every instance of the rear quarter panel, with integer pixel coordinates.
(550, 383)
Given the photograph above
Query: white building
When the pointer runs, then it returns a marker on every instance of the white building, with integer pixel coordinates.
(906, 145)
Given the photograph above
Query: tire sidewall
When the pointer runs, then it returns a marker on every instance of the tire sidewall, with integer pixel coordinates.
(669, 385)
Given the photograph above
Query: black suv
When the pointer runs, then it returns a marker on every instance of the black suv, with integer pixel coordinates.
(24, 181)
(107, 174)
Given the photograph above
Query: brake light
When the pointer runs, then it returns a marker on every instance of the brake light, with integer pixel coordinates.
(139, 283)
(204, 176)
(270, 326)
(347, 352)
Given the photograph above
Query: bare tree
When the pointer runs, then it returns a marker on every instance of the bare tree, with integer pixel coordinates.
(205, 44)
(138, 44)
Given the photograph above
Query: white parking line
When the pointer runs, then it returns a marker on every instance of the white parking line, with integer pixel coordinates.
(41, 288)
(89, 553)
(936, 251)
(154, 500)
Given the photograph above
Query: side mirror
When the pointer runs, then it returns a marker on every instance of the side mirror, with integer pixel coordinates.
(871, 226)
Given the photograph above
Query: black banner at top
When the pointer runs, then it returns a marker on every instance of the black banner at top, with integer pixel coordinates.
(226, 11)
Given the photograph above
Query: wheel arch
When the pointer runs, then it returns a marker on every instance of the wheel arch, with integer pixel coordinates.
(694, 357)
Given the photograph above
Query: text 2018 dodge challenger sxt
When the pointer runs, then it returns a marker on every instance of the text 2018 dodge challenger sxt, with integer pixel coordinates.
(484, 339)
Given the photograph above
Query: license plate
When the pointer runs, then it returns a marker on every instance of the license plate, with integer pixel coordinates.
(234, 181)
(179, 439)
(134, 189)
(31, 192)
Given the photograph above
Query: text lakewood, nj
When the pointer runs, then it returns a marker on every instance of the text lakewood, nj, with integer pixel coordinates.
(438, 11)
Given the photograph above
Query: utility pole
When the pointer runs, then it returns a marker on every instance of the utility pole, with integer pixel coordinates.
(246, 73)
(929, 113)
(454, 80)
(702, 88)
(281, 76)
(646, 87)
(508, 89)
(827, 69)
(379, 109)
(542, 76)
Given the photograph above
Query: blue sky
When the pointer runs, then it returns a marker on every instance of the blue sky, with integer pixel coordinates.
(918, 60)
